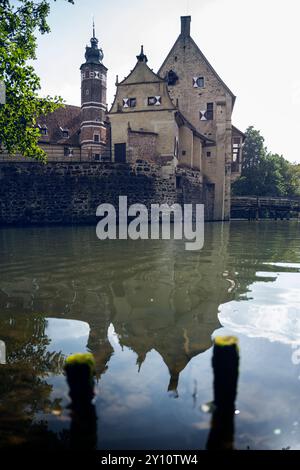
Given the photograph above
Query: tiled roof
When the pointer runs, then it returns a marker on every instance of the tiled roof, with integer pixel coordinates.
(235, 130)
(182, 120)
(64, 118)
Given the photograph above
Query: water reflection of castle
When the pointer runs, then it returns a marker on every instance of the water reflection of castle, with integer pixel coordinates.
(155, 294)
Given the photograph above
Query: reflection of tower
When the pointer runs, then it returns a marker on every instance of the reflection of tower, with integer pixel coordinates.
(93, 101)
(101, 348)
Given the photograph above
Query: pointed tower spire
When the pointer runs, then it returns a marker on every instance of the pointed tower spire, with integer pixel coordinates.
(142, 57)
(94, 40)
(94, 35)
(141, 356)
(93, 53)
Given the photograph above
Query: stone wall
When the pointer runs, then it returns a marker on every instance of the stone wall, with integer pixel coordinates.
(33, 193)
(191, 190)
(142, 145)
(61, 193)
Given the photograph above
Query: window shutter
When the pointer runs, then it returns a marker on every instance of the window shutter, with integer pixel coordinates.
(198, 82)
(203, 116)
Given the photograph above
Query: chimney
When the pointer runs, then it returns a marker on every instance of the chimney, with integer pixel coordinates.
(185, 26)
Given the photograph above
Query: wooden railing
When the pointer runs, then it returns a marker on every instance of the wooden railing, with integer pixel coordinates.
(252, 207)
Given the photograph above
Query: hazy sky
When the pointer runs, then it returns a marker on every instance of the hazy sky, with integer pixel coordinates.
(253, 45)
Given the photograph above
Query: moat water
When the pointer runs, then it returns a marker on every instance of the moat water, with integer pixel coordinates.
(148, 311)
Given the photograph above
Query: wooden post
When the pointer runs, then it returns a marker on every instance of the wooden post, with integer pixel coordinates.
(225, 363)
(80, 371)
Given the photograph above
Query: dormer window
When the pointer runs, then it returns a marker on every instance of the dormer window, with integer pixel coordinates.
(129, 102)
(154, 100)
(198, 82)
(65, 133)
(43, 129)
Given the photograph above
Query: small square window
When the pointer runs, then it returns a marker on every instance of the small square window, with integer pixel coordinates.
(183, 152)
(198, 82)
(208, 154)
(65, 134)
(132, 102)
(151, 101)
(68, 152)
(97, 157)
(154, 100)
(129, 102)
(96, 138)
(208, 113)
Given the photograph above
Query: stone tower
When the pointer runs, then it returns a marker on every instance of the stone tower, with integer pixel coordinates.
(93, 132)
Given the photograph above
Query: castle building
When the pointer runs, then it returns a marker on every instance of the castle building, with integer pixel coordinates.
(178, 119)
(181, 114)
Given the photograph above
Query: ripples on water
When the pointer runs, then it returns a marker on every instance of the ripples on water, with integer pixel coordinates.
(148, 310)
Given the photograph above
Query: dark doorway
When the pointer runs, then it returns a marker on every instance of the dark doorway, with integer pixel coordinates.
(120, 153)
